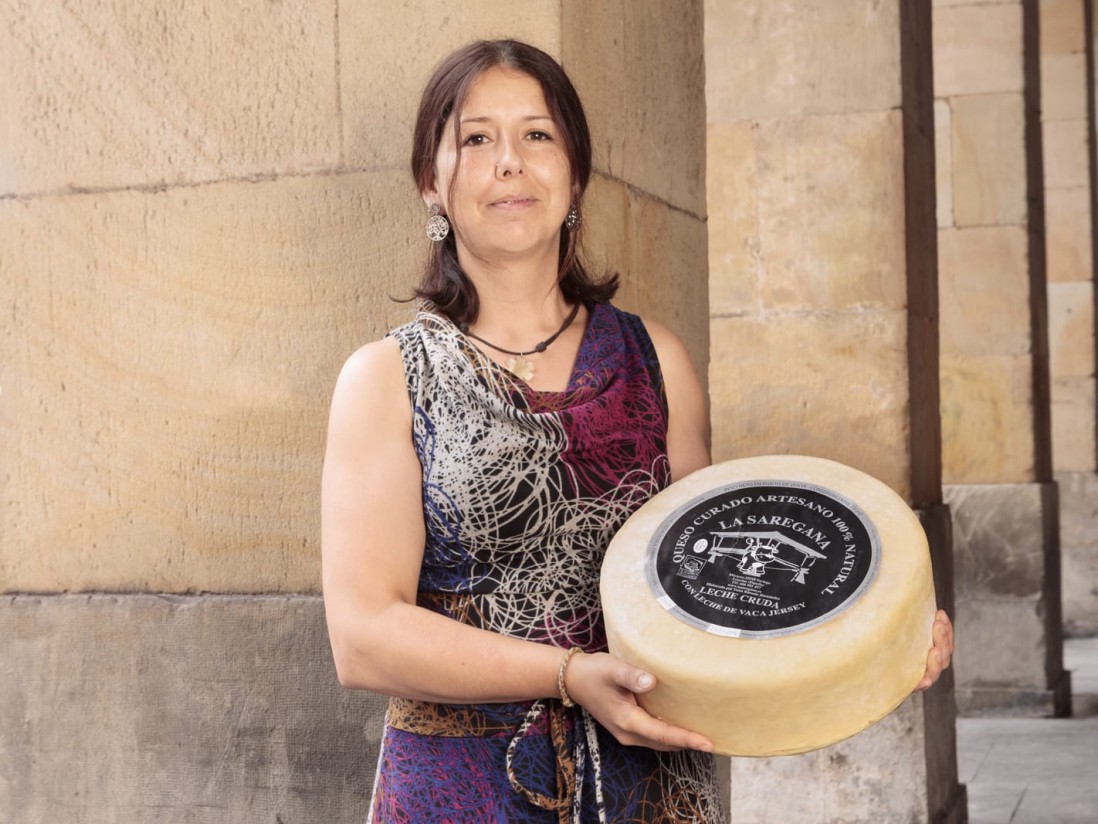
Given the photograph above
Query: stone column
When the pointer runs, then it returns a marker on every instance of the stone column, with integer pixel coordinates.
(1067, 89)
(824, 320)
(995, 385)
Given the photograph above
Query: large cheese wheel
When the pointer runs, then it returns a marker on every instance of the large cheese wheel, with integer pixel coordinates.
(782, 602)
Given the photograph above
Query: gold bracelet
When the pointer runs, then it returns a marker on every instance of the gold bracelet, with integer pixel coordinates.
(564, 697)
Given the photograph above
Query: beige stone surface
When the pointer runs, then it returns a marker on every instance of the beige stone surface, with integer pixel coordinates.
(989, 161)
(1068, 234)
(1071, 329)
(1074, 447)
(388, 51)
(210, 709)
(943, 162)
(833, 385)
(639, 69)
(889, 788)
(977, 49)
(767, 59)
(1078, 515)
(987, 419)
(1063, 86)
(983, 291)
(167, 369)
(731, 187)
(1065, 153)
(1061, 25)
(660, 254)
(831, 219)
(111, 94)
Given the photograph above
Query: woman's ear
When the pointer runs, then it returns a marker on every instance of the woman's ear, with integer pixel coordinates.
(430, 197)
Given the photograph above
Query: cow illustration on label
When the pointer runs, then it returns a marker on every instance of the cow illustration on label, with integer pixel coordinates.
(767, 558)
(759, 551)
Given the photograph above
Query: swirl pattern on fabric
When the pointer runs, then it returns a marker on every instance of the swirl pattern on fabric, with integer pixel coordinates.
(523, 491)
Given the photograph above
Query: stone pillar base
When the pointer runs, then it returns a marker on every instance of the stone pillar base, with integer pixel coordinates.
(1020, 703)
(904, 768)
(162, 708)
(1079, 551)
(1009, 657)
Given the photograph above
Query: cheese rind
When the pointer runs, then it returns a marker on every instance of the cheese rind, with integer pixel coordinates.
(762, 696)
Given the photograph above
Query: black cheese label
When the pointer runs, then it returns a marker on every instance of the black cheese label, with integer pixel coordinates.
(762, 558)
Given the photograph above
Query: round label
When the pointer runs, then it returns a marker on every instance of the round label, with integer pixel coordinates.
(762, 558)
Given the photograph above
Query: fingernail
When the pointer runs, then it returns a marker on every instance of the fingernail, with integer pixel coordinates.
(645, 681)
(706, 747)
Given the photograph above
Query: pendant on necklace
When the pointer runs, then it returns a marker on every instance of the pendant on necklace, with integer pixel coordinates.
(520, 367)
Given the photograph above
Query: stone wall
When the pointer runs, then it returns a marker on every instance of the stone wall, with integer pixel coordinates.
(203, 211)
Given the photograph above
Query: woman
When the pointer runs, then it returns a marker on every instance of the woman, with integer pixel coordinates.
(480, 459)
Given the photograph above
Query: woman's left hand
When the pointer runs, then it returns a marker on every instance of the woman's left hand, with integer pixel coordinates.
(941, 653)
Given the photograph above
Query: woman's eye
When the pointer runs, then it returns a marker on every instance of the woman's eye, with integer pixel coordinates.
(538, 135)
(475, 140)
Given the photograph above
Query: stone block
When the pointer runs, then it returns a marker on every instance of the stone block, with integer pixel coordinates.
(731, 184)
(978, 49)
(1071, 329)
(168, 365)
(766, 59)
(1073, 424)
(388, 52)
(877, 775)
(660, 253)
(943, 162)
(831, 213)
(989, 160)
(987, 419)
(1063, 86)
(199, 710)
(984, 291)
(1068, 235)
(1005, 537)
(154, 93)
(998, 546)
(640, 70)
(1079, 551)
(1061, 25)
(1065, 154)
(830, 385)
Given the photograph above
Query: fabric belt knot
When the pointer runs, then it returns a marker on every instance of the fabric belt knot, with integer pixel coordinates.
(570, 763)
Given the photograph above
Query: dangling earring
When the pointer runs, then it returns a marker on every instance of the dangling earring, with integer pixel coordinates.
(438, 227)
(573, 219)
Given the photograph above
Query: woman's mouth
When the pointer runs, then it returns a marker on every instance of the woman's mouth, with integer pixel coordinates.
(513, 202)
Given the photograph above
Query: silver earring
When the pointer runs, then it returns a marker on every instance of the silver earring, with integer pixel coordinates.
(438, 227)
(573, 219)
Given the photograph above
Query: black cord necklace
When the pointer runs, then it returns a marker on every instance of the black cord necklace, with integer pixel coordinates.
(518, 364)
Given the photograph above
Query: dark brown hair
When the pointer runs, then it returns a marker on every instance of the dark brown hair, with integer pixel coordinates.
(443, 281)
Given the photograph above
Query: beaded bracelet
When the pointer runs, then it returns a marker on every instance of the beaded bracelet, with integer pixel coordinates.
(564, 697)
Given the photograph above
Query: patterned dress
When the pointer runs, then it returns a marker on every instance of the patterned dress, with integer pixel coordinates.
(522, 492)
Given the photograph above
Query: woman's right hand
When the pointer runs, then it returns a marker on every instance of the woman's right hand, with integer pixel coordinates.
(607, 688)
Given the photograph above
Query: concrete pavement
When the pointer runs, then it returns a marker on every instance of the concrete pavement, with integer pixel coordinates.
(1037, 770)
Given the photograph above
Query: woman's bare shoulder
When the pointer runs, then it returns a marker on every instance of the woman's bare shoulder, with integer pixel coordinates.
(372, 383)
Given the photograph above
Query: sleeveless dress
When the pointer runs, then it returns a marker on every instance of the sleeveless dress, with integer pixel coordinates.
(522, 492)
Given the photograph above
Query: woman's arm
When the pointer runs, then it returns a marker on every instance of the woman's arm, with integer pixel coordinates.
(372, 539)
(688, 416)
(372, 546)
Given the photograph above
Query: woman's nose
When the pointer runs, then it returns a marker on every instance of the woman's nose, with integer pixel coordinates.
(510, 160)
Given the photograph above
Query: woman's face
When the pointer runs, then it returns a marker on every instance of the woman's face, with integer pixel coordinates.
(513, 188)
